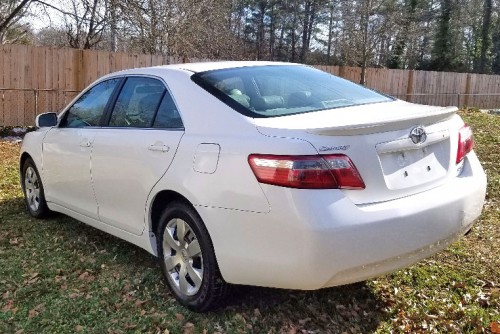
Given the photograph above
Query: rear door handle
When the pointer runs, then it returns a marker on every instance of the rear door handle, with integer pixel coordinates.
(159, 148)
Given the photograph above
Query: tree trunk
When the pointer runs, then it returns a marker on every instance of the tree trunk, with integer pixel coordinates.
(307, 29)
(485, 37)
(260, 29)
(294, 37)
(280, 43)
(5, 24)
(364, 51)
(272, 28)
(113, 9)
(330, 34)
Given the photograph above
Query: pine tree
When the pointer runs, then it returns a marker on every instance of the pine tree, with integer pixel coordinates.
(441, 56)
(485, 37)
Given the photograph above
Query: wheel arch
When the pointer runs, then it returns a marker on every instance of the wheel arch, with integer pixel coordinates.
(24, 156)
(158, 204)
(160, 201)
(22, 159)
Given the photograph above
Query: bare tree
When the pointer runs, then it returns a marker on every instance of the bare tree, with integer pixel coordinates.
(458, 35)
(185, 28)
(309, 16)
(52, 37)
(11, 12)
(201, 29)
(85, 23)
(332, 27)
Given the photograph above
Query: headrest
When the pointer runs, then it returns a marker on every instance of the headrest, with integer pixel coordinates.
(268, 102)
(299, 99)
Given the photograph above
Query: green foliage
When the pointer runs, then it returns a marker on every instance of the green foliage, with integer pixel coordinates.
(495, 66)
(441, 56)
(485, 37)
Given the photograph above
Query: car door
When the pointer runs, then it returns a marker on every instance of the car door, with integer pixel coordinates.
(66, 151)
(132, 153)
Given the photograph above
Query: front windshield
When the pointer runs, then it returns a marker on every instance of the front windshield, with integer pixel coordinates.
(279, 90)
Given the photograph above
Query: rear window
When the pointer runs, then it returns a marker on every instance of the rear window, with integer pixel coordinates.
(271, 91)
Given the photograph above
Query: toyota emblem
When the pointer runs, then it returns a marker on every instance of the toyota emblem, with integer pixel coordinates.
(418, 135)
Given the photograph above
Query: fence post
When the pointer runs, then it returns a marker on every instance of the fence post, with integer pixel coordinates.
(342, 71)
(81, 65)
(36, 102)
(409, 88)
(458, 100)
(467, 88)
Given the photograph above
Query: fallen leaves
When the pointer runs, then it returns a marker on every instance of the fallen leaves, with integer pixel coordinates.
(9, 306)
(139, 303)
(256, 313)
(130, 326)
(35, 311)
(74, 295)
(495, 327)
(32, 278)
(102, 281)
(188, 328)
(86, 276)
(60, 278)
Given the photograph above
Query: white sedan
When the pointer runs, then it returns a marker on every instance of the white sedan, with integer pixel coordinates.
(256, 173)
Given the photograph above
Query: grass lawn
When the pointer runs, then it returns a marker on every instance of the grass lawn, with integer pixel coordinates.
(61, 276)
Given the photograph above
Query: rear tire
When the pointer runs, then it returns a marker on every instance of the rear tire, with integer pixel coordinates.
(187, 259)
(33, 190)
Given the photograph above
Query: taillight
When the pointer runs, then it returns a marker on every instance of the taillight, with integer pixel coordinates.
(306, 171)
(465, 142)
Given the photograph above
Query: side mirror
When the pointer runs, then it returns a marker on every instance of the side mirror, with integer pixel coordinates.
(47, 119)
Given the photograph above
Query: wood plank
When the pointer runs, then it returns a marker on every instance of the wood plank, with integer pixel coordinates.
(4, 53)
(67, 70)
(29, 109)
(411, 82)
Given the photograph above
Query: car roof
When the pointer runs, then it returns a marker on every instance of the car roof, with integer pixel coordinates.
(201, 67)
(208, 66)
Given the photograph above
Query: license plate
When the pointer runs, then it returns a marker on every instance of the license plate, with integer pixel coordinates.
(414, 167)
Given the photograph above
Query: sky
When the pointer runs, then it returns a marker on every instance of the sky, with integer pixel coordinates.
(45, 17)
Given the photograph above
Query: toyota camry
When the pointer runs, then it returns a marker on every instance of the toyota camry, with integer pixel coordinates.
(256, 173)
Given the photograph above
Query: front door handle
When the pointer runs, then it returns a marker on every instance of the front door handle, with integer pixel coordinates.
(159, 148)
(85, 143)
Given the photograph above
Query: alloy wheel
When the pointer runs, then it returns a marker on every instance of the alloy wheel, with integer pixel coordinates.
(32, 189)
(183, 257)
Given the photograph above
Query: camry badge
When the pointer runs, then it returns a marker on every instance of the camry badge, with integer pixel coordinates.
(418, 135)
(334, 148)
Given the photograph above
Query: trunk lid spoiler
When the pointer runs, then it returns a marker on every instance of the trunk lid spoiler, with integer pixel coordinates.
(385, 124)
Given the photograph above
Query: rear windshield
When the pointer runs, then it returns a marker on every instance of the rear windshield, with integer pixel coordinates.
(271, 91)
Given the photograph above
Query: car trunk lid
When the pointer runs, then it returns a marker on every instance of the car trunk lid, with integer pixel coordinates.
(399, 148)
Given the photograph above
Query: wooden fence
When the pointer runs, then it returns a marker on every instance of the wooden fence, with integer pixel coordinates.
(39, 79)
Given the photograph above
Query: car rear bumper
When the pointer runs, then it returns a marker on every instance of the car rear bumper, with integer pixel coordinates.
(318, 238)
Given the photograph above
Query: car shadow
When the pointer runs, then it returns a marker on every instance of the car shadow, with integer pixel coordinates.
(348, 308)
(351, 308)
(11, 207)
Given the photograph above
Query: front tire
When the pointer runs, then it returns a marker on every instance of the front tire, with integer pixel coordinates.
(33, 190)
(187, 259)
